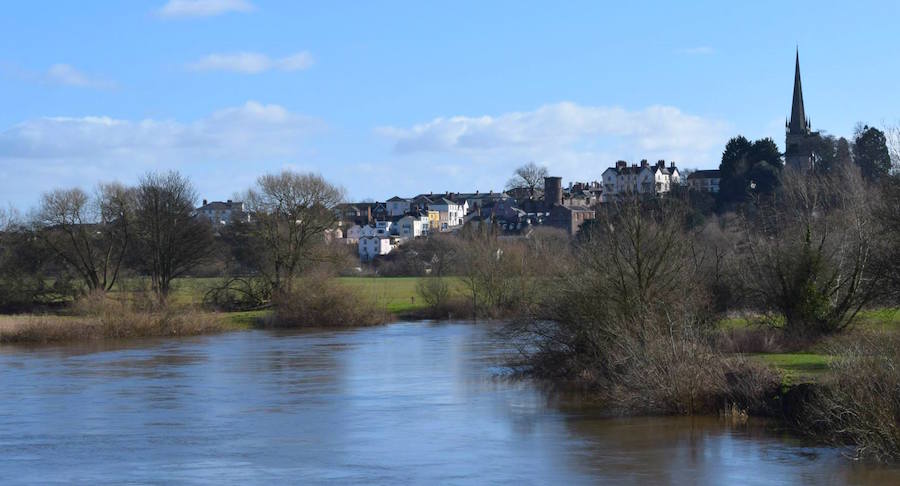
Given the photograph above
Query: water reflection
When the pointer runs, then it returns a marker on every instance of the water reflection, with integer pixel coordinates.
(406, 403)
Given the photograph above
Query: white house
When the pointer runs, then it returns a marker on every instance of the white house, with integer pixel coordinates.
(384, 228)
(373, 246)
(451, 213)
(412, 226)
(639, 179)
(353, 234)
(397, 206)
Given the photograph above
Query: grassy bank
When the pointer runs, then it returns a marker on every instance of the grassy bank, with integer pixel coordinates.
(124, 312)
(44, 329)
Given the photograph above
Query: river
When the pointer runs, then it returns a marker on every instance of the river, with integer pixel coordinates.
(408, 403)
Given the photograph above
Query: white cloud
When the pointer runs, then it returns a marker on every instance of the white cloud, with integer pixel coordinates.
(252, 62)
(575, 142)
(67, 75)
(204, 8)
(697, 51)
(223, 147)
(564, 127)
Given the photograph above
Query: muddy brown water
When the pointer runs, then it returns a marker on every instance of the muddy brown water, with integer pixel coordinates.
(408, 403)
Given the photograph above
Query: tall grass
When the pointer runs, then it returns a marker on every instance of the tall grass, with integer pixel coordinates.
(98, 316)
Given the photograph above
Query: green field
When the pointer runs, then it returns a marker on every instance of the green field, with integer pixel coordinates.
(395, 294)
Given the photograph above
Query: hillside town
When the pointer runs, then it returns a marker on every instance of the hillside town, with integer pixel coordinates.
(377, 228)
(537, 199)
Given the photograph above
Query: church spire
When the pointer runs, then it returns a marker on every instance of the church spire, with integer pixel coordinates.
(798, 122)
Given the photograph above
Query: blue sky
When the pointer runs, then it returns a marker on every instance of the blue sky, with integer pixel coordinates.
(390, 98)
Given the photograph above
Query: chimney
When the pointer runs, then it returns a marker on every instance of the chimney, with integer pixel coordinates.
(553, 191)
(229, 201)
(672, 164)
(204, 202)
(644, 163)
(621, 164)
(661, 164)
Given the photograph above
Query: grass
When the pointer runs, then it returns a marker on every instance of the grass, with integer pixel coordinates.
(394, 294)
(797, 367)
(397, 295)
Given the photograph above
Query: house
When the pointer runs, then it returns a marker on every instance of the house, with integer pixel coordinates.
(380, 212)
(221, 213)
(451, 214)
(639, 179)
(358, 213)
(353, 234)
(368, 230)
(374, 246)
(474, 201)
(413, 225)
(704, 180)
(384, 228)
(434, 221)
(397, 206)
(569, 218)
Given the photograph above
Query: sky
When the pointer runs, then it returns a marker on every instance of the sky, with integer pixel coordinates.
(400, 98)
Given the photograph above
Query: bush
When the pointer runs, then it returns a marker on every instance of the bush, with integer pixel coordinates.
(634, 324)
(858, 405)
(323, 302)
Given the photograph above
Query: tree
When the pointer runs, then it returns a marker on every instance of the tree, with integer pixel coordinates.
(170, 239)
(292, 214)
(871, 153)
(893, 139)
(89, 235)
(807, 252)
(529, 176)
(748, 168)
(843, 156)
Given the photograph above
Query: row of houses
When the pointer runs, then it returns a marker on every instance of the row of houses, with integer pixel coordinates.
(377, 228)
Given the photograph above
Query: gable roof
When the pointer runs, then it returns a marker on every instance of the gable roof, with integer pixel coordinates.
(705, 174)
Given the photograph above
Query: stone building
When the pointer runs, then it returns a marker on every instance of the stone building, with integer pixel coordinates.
(799, 137)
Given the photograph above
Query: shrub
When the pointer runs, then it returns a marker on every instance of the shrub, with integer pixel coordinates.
(634, 323)
(858, 405)
(323, 302)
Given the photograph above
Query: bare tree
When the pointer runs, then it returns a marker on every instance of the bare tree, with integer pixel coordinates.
(808, 253)
(292, 214)
(530, 176)
(893, 142)
(90, 235)
(170, 239)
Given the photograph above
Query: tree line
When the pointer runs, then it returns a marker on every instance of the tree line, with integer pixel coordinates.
(749, 169)
(77, 242)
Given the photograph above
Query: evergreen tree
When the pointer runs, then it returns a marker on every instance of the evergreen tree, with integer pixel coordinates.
(748, 167)
(871, 153)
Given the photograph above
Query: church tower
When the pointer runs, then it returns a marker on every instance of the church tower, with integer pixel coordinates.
(798, 144)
